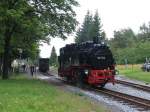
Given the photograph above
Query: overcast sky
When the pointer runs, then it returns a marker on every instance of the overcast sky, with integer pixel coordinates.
(115, 15)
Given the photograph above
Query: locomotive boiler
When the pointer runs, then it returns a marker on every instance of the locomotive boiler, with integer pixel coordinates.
(87, 63)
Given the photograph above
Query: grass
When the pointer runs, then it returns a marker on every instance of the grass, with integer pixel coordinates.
(134, 72)
(27, 95)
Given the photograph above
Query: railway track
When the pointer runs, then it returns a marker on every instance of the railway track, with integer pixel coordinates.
(138, 86)
(136, 102)
(141, 103)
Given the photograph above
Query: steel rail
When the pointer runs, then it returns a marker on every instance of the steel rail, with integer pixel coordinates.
(140, 102)
(138, 86)
(137, 101)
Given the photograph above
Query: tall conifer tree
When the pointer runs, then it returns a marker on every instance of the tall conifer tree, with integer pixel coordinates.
(83, 33)
(53, 57)
(91, 30)
(97, 32)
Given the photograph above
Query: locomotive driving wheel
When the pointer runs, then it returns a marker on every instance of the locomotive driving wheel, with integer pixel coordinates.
(80, 79)
(103, 84)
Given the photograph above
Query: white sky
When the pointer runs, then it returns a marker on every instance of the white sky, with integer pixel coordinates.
(115, 15)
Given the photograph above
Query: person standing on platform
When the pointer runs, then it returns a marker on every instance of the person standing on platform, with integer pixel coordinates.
(32, 70)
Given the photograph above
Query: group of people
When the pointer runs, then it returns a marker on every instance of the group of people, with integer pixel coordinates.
(32, 69)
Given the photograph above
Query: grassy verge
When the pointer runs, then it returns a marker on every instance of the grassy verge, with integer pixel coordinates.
(26, 95)
(134, 72)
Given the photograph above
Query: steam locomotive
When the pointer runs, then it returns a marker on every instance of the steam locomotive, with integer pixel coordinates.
(87, 63)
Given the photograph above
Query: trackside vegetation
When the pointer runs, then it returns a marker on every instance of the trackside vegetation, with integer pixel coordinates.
(24, 24)
(27, 95)
(131, 48)
(134, 72)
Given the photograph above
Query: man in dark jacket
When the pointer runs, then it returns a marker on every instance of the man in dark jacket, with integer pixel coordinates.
(32, 70)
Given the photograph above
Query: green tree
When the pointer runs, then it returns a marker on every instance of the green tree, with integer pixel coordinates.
(122, 45)
(123, 38)
(144, 34)
(91, 29)
(18, 20)
(83, 33)
(135, 54)
(53, 57)
(97, 33)
(32, 21)
(126, 45)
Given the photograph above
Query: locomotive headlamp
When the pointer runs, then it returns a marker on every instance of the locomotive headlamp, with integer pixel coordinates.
(86, 71)
(103, 43)
(116, 72)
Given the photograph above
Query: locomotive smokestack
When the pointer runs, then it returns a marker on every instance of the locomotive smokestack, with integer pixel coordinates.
(95, 40)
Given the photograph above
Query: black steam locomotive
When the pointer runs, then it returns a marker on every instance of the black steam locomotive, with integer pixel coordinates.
(87, 62)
